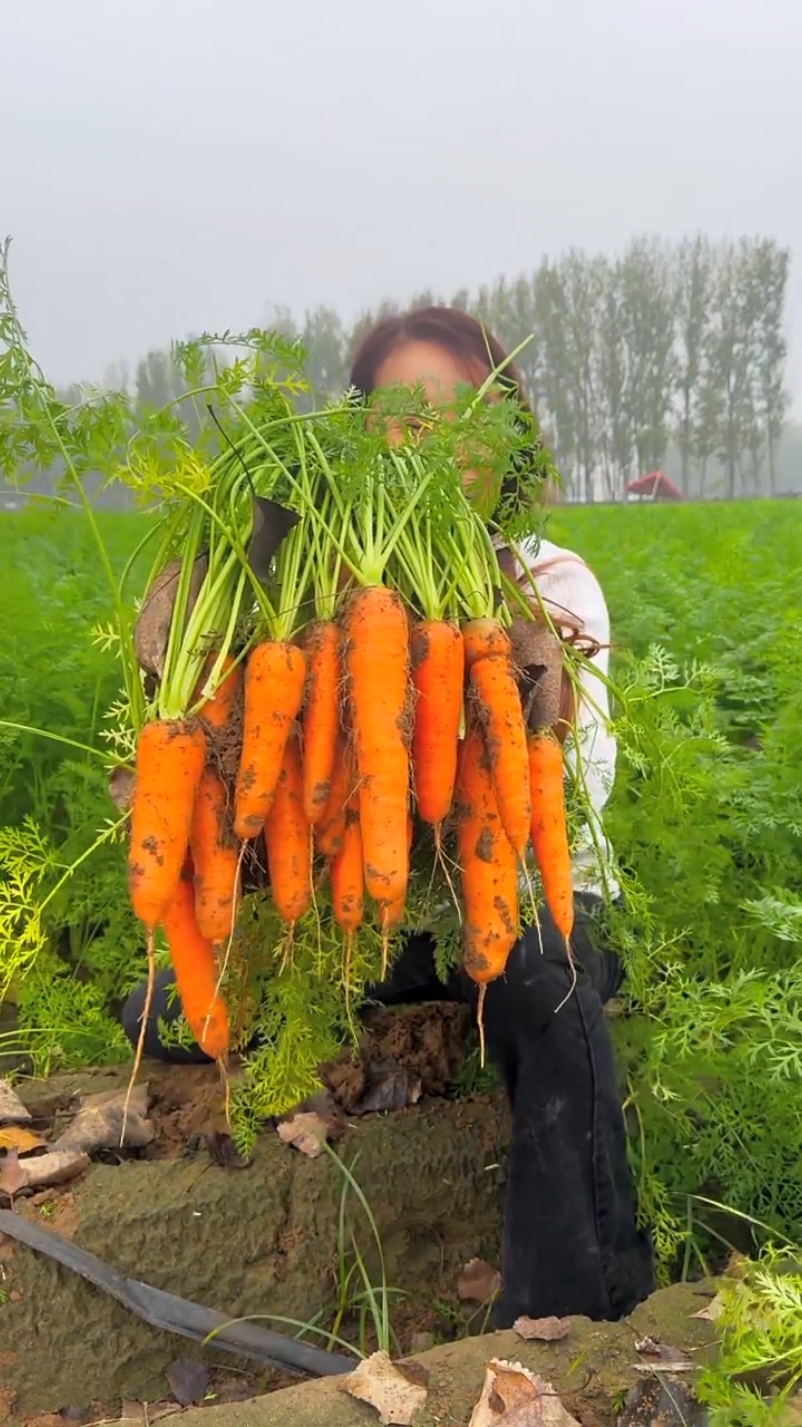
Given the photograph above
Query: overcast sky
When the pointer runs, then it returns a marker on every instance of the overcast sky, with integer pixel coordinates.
(173, 165)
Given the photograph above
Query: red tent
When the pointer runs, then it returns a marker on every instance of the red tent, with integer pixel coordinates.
(655, 486)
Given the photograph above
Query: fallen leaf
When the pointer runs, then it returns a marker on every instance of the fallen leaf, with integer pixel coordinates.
(98, 1124)
(223, 1151)
(514, 1397)
(386, 1387)
(662, 1355)
(305, 1131)
(390, 1086)
(189, 1382)
(39, 1171)
(12, 1110)
(16, 1137)
(478, 1282)
(713, 1310)
(656, 1400)
(122, 782)
(543, 1330)
(12, 1175)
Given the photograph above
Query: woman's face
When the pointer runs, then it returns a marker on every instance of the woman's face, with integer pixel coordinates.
(439, 374)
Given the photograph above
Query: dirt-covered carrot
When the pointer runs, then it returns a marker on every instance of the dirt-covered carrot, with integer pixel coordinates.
(488, 867)
(348, 877)
(288, 838)
(548, 829)
(499, 707)
(321, 715)
(215, 857)
(484, 637)
(169, 763)
(216, 712)
(438, 672)
(274, 686)
(330, 830)
(195, 966)
(376, 633)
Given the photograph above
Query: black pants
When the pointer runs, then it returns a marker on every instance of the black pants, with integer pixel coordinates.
(571, 1243)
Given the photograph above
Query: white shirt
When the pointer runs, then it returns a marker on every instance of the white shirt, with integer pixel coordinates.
(569, 589)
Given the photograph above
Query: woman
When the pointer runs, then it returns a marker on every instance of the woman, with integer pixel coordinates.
(571, 1243)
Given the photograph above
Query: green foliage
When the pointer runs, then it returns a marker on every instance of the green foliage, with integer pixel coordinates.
(759, 1361)
(706, 818)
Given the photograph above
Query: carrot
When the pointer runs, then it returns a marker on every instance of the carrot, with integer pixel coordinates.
(488, 868)
(321, 716)
(217, 711)
(169, 762)
(329, 832)
(491, 676)
(548, 829)
(377, 660)
(348, 877)
(288, 838)
(215, 858)
(483, 638)
(438, 671)
(195, 966)
(274, 686)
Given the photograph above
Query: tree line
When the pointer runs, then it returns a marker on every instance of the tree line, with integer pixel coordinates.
(665, 357)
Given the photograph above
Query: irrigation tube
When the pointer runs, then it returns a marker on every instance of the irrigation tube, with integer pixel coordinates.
(178, 1315)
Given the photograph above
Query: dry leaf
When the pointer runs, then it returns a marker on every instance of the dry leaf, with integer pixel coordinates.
(306, 1131)
(713, 1310)
(478, 1282)
(122, 782)
(386, 1387)
(12, 1175)
(40, 1171)
(543, 1330)
(514, 1397)
(12, 1110)
(16, 1137)
(663, 1356)
(189, 1382)
(99, 1122)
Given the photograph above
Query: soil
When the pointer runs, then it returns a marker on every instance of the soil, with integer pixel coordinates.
(178, 1215)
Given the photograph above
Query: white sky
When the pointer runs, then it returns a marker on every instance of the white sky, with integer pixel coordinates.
(173, 165)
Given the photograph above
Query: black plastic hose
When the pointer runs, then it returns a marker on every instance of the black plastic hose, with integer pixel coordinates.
(178, 1315)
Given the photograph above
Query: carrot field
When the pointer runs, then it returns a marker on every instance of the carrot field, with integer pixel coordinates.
(706, 818)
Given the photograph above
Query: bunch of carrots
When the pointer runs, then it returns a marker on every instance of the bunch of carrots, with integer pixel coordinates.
(395, 708)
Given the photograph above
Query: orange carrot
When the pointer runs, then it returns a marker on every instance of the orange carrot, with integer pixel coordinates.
(377, 660)
(500, 711)
(329, 832)
(483, 638)
(274, 686)
(216, 712)
(195, 968)
(488, 867)
(216, 860)
(548, 829)
(288, 838)
(438, 672)
(169, 762)
(348, 877)
(321, 716)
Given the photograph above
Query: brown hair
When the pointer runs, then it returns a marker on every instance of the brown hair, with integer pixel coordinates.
(457, 332)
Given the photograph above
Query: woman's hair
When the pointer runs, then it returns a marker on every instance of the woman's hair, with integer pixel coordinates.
(457, 332)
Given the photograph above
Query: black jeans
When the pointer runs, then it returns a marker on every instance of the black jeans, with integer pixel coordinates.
(571, 1242)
